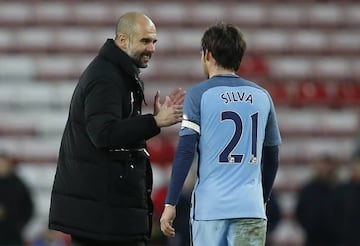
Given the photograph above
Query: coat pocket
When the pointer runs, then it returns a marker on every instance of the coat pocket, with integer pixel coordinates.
(128, 182)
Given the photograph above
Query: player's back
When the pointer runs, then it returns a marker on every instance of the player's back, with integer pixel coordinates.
(233, 115)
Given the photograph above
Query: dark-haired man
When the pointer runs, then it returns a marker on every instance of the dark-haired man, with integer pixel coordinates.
(232, 124)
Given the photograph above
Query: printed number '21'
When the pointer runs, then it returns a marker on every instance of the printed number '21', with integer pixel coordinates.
(226, 156)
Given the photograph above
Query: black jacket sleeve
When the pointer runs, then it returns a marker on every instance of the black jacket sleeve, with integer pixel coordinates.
(107, 124)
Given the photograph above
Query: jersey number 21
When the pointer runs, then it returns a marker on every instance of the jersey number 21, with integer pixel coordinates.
(227, 156)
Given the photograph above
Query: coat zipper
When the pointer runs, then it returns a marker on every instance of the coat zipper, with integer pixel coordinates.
(131, 103)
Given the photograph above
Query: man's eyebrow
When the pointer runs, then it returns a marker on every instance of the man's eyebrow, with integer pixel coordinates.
(148, 40)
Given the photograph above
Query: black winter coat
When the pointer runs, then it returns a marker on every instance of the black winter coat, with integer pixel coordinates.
(98, 193)
(315, 211)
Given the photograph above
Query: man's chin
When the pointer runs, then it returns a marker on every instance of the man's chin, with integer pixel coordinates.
(141, 64)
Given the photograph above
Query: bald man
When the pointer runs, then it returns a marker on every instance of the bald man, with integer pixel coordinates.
(102, 188)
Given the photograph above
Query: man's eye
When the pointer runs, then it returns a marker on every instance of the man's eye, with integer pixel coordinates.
(148, 41)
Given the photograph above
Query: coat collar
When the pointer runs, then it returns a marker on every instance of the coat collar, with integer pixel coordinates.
(118, 57)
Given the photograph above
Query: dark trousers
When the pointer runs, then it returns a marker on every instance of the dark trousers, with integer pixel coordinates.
(77, 241)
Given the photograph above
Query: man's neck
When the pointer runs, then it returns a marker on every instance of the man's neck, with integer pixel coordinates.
(220, 72)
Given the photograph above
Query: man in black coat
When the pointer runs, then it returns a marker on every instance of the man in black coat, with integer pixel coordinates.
(316, 206)
(102, 187)
(16, 205)
(348, 206)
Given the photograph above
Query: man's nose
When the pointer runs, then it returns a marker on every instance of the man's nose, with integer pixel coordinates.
(151, 47)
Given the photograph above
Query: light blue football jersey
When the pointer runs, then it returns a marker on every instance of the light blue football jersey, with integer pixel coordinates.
(234, 118)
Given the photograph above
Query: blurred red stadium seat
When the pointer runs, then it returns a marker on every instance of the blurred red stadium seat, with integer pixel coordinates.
(253, 65)
(312, 93)
(347, 94)
(279, 92)
(161, 151)
(158, 198)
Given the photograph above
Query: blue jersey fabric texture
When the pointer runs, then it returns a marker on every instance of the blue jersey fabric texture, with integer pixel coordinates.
(233, 118)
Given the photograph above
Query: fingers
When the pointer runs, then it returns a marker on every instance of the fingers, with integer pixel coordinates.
(166, 228)
(157, 97)
(167, 102)
(179, 99)
(169, 115)
(167, 219)
(157, 104)
(175, 93)
(177, 96)
(178, 112)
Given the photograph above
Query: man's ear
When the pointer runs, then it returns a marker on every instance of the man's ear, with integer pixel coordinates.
(122, 40)
(207, 55)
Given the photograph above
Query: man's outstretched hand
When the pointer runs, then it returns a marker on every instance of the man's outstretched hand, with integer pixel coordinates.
(170, 112)
(176, 98)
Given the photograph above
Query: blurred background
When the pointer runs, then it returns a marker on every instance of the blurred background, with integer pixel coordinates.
(305, 53)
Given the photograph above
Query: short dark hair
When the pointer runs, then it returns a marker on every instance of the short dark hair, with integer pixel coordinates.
(226, 44)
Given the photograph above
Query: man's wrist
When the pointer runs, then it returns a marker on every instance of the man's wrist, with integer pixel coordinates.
(169, 205)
